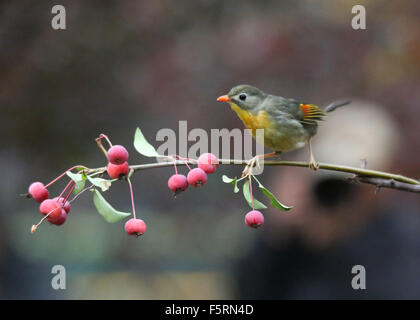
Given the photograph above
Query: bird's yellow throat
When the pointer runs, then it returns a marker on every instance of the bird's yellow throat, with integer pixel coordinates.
(252, 121)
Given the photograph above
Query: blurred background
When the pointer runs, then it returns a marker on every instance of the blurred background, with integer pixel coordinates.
(123, 64)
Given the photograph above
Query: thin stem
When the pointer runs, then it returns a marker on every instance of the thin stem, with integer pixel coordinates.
(104, 136)
(69, 192)
(185, 160)
(193, 161)
(255, 178)
(99, 143)
(174, 162)
(250, 191)
(65, 189)
(132, 198)
(35, 226)
(64, 173)
(77, 195)
(96, 172)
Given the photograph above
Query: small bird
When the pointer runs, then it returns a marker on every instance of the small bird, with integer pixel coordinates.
(288, 123)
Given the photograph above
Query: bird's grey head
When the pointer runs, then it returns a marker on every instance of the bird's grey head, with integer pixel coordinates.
(246, 97)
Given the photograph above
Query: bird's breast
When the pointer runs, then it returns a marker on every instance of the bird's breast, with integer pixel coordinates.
(261, 120)
(279, 135)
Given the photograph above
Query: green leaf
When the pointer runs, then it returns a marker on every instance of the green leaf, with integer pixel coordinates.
(226, 179)
(106, 210)
(79, 180)
(234, 181)
(142, 146)
(100, 183)
(273, 200)
(247, 195)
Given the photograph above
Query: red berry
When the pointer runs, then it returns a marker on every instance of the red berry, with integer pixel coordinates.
(254, 219)
(197, 177)
(178, 183)
(208, 162)
(117, 170)
(135, 227)
(65, 204)
(51, 207)
(117, 154)
(38, 191)
(58, 221)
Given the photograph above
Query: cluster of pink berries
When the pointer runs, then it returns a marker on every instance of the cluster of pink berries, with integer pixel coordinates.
(197, 177)
(117, 168)
(54, 210)
(207, 164)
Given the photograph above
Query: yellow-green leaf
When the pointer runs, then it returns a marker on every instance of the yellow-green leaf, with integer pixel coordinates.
(79, 180)
(106, 210)
(247, 195)
(143, 146)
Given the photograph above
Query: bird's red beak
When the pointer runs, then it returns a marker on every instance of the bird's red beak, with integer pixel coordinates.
(224, 98)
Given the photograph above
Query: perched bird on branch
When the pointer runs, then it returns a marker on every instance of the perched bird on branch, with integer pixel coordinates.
(288, 124)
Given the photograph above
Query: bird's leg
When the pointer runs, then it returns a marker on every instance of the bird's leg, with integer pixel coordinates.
(312, 163)
(256, 161)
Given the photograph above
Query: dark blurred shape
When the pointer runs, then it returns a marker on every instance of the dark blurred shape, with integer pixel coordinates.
(331, 192)
(387, 248)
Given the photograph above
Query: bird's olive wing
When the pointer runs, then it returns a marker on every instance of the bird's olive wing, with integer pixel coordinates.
(287, 108)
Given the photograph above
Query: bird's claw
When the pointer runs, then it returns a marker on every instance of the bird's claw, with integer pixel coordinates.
(245, 172)
(313, 165)
(255, 161)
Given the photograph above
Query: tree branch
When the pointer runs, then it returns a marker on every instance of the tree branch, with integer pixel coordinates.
(387, 183)
(378, 178)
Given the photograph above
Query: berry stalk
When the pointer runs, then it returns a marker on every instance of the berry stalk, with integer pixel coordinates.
(132, 198)
(99, 143)
(250, 192)
(63, 174)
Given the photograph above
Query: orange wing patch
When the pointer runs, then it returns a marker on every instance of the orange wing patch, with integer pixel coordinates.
(311, 113)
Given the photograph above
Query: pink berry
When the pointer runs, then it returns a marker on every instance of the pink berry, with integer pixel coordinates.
(208, 162)
(117, 170)
(197, 177)
(65, 204)
(178, 183)
(38, 191)
(58, 221)
(135, 227)
(117, 154)
(254, 219)
(52, 208)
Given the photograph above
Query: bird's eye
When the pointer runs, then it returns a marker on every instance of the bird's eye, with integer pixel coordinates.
(242, 96)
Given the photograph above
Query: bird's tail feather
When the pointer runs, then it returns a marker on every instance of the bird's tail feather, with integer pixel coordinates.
(334, 105)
